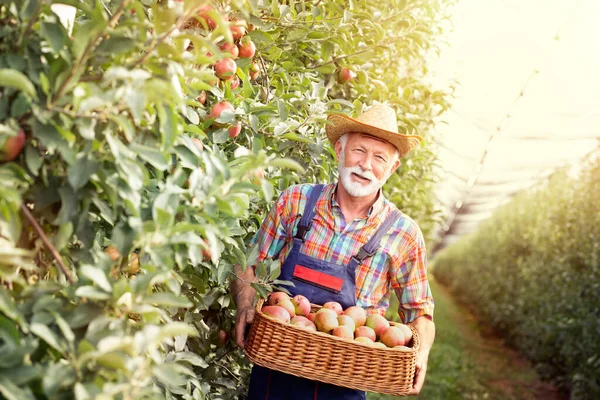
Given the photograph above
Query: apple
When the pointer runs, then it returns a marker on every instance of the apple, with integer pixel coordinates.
(254, 70)
(287, 304)
(276, 312)
(301, 305)
(134, 265)
(345, 75)
(275, 297)
(326, 320)
(201, 98)
(303, 322)
(345, 320)
(335, 306)
(358, 314)
(377, 322)
(12, 146)
(230, 48)
(344, 331)
(364, 340)
(247, 49)
(365, 331)
(379, 344)
(238, 29)
(198, 143)
(235, 82)
(219, 108)
(203, 15)
(407, 333)
(393, 336)
(223, 337)
(113, 253)
(311, 316)
(225, 67)
(235, 130)
(206, 254)
(404, 348)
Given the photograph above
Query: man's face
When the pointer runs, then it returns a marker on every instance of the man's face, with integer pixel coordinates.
(365, 163)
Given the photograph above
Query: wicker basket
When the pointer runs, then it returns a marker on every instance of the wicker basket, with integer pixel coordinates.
(330, 359)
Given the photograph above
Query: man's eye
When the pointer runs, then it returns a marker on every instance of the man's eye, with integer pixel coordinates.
(381, 158)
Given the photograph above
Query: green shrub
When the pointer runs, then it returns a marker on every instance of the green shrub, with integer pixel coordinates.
(533, 271)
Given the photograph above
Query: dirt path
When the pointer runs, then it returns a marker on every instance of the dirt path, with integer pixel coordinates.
(502, 370)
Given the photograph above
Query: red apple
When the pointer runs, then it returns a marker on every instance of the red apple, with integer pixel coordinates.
(326, 320)
(223, 337)
(230, 48)
(303, 322)
(202, 98)
(345, 320)
(311, 316)
(344, 331)
(365, 331)
(238, 29)
(203, 15)
(225, 68)
(301, 304)
(277, 312)
(275, 297)
(393, 336)
(198, 143)
(12, 146)
(113, 253)
(378, 323)
(247, 49)
(254, 70)
(358, 314)
(235, 82)
(407, 333)
(345, 75)
(219, 108)
(235, 130)
(335, 306)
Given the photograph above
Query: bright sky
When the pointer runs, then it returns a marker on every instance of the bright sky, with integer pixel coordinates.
(494, 49)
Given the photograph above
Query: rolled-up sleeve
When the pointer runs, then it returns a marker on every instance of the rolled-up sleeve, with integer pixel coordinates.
(409, 280)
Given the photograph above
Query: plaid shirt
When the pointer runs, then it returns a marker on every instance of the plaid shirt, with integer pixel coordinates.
(400, 262)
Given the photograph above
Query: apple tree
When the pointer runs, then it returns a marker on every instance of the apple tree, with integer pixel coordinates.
(141, 143)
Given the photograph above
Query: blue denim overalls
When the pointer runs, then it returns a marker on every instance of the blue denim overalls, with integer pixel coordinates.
(320, 281)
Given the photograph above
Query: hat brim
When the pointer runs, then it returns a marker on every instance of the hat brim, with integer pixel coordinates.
(342, 124)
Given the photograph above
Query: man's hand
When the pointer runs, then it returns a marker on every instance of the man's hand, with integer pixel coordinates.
(420, 372)
(243, 318)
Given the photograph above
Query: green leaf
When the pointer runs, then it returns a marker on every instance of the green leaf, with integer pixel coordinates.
(57, 376)
(15, 79)
(47, 335)
(151, 155)
(55, 34)
(10, 391)
(79, 173)
(91, 292)
(62, 237)
(167, 300)
(287, 163)
(96, 275)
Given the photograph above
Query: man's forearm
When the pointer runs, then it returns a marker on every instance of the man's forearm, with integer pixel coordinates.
(426, 329)
(243, 293)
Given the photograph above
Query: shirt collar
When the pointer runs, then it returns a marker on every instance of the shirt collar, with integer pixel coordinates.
(375, 209)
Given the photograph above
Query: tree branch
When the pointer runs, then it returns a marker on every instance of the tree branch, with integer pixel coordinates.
(46, 241)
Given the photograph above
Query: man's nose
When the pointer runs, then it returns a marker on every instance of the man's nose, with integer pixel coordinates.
(367, 163)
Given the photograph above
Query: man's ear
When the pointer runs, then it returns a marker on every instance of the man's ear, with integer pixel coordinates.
(338, 148)
(395, 165)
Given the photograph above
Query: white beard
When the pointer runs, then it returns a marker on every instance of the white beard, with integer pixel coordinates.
(357, 189)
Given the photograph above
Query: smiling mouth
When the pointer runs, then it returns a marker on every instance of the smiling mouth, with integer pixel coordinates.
(361, 178)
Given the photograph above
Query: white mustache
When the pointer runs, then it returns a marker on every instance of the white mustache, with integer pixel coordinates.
(362, 173)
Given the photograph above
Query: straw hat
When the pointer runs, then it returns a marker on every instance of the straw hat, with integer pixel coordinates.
(379, 121)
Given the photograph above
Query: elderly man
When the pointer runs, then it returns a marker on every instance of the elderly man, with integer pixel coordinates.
(352, 233)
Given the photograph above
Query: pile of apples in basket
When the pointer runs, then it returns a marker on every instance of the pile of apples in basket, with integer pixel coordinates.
(353, 323)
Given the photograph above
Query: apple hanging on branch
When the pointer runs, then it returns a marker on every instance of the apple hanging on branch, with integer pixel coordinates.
(12, 147)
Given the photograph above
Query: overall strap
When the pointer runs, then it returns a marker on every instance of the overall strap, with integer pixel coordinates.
(309, 212)
(371, 247)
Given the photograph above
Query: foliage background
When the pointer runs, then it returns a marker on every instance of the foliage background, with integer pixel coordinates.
(532, 271)
(117, 232)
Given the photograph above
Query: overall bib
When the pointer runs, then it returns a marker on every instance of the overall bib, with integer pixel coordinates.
(319, 281)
